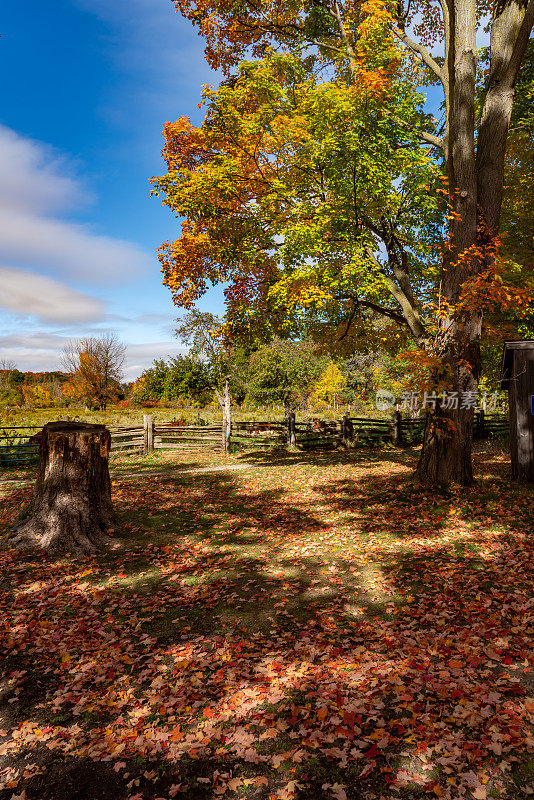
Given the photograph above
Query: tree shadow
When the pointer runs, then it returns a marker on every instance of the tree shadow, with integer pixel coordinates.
(238, 634)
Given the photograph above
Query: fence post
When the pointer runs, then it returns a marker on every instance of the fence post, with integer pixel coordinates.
(348, 430)
(397, 428)
(480, 427)
(148, 433)
(151, 434)
(291, 431)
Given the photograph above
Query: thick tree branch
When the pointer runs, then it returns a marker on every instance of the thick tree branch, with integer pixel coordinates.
(437, 141)
(410, 314)
(510, 73)
(349, 323)
(510, 33)
(345, 38)
(420, 50)
(382, 310)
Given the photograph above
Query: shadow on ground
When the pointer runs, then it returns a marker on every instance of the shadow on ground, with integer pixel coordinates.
(314, 626)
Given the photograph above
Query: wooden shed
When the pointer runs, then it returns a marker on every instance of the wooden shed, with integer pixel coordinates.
(517, 375)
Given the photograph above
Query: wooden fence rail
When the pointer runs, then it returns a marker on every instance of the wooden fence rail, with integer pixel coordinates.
(15, 447)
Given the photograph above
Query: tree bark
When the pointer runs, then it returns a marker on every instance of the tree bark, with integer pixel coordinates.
(476, 178)
(71, 509)
(225, 402)
(227, 415)
(510, 32)
(446, 452)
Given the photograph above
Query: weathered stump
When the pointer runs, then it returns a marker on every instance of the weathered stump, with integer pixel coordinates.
(71, 509)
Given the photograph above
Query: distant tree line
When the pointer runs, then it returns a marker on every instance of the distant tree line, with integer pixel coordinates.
(92, 376)
(285, 374)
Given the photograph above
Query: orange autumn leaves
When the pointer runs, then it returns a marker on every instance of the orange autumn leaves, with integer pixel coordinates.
(264, 183)
(313, 629)
(234, 29)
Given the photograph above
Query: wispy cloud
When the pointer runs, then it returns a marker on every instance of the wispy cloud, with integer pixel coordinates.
(159, 52)
(34, 177)
(35, 187)
(34, 352)
(68, 249)
(30, 294)
(39, 351)
(141, 356)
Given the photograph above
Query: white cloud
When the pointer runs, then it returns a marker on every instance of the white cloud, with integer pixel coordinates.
(35, 184)
(40, 351)
(33, 177)
(68, 249)
(34, 295)
(34, 352)
(141, 356)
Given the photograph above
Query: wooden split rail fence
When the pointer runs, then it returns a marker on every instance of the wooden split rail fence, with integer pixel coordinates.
(165, 436)
(16, 447)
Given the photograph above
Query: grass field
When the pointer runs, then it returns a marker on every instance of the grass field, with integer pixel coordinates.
(307, 626)
(115, 415)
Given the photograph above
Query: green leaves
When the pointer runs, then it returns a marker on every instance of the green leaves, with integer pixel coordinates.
(283, 372)
(293, 187)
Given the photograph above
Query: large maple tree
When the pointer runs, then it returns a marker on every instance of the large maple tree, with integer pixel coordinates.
(373, 258)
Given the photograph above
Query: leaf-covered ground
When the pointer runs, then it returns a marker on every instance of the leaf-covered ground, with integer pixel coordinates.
(309, 627)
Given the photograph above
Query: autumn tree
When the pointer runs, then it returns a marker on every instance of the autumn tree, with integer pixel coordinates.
(354, 46)
(184, 378)
(8, 394)
(331, 382)
(516, 256)
(95, 366)
(150, 385)
(283, 372)
(204, 333)
(285, 198)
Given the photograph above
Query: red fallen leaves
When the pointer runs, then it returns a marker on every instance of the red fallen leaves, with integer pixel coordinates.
(372, 752)
(433, 682)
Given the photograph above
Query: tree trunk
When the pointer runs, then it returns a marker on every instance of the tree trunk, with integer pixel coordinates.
(225, 403)
(71, 509)
(475, 196)
(287, 409)
(227, 415)
(446, 453)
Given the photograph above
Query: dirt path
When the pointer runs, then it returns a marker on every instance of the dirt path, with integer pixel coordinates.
(220, 468)
(169, 472)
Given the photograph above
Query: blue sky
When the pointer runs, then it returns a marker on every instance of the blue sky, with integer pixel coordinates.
(87, 86)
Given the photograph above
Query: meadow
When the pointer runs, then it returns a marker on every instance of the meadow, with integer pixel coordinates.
(120, 415)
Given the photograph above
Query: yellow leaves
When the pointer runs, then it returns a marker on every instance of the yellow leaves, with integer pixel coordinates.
(275, 177)
(331, 382)
(376, 17)
(183, 142)
(306, 294)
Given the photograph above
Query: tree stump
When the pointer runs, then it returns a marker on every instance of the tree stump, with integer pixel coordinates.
(71, 509)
